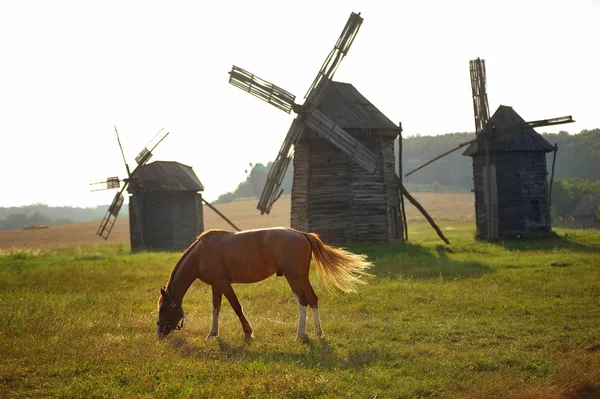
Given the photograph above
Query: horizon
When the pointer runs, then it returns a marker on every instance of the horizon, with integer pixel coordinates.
(126, 196)
(77, 69)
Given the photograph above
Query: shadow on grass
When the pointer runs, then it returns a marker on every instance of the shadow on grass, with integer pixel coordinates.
(419, 262)
(547, 244)
(315, 354)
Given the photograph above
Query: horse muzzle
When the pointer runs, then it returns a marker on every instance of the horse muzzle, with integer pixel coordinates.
(164, 329)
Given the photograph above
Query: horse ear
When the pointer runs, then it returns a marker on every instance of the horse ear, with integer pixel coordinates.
(163, 293)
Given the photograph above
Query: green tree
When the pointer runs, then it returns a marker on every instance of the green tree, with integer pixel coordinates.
(566, 194)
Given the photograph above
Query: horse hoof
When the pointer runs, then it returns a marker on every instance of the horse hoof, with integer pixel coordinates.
(211, 335)
(303, 338)
(249, 337)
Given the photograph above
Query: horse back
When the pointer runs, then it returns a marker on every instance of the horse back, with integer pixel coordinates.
(253, 255)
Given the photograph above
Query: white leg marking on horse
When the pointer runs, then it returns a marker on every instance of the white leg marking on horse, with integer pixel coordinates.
(214, 329)
(317, 319)
(302, 319)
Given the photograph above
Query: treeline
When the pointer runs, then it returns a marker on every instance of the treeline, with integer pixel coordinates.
(43, 215)
(252, 187)
(578, 157)
(577, 173)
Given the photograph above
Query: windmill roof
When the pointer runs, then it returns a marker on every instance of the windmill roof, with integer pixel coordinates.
(167, 176)
(349, 109)
(513, 134)
(588, 206)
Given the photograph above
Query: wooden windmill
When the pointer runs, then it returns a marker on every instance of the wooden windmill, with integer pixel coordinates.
(509, 167)
(114, 182)
(345, 187)
(165, 203)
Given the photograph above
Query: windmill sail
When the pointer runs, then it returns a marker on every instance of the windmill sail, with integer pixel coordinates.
(478, 88)
(106, 184)
(268, 92)
(271, 192)
(331, 132)
(340, 50)
(111, 215)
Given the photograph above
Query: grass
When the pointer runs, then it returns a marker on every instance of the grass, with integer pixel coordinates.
(473, 319)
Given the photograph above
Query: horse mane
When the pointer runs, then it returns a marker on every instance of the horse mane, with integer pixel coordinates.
(200, 240)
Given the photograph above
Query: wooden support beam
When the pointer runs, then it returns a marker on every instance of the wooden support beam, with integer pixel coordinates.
(220, 214)
(440, 156)
(424, 212)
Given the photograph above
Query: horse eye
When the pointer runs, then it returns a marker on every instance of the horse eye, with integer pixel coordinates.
(161, 310)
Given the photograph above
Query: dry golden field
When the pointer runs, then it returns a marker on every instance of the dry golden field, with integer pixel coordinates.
(243, 213)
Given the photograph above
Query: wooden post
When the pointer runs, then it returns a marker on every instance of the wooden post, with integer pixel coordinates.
(402, 208)
(552, 180)
(424, 212)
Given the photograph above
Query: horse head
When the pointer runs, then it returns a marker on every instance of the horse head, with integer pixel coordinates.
(170, 314)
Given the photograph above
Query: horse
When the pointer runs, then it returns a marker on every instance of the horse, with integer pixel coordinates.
(220, 258)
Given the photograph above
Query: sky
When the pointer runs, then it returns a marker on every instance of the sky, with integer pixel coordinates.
(72, 70)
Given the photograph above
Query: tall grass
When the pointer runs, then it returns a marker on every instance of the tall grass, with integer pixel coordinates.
(473, 319)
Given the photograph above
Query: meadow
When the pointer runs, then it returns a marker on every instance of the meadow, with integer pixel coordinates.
(472, 319)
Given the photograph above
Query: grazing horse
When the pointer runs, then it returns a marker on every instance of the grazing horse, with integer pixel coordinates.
(220, 258)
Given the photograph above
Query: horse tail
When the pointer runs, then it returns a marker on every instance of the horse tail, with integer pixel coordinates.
(337, 267)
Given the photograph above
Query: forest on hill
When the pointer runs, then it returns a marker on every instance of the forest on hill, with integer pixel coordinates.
(577, 168)
(577, 172)
(578, 157)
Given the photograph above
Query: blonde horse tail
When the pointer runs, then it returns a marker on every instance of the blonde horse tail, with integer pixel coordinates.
(338, 267)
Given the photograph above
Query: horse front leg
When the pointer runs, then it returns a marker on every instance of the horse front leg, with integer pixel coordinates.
(217, 295)
(237, 308)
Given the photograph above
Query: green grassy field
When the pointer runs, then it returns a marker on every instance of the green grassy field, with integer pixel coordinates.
(477, 320)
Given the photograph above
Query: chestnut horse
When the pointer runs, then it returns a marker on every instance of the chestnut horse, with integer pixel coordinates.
(220, 258)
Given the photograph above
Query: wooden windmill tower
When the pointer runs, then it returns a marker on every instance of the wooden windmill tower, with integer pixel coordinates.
(509, 167)
(165, 205)
(345, 187)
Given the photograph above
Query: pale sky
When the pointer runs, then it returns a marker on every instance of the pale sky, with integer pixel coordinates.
(71, 70)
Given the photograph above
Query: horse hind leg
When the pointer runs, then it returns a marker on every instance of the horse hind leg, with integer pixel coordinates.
(296, 286)
(237, 308)
(313, 302)
(217, 296)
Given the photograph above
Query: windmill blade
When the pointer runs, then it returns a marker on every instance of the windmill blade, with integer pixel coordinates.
(268, 92)
(109, 219)
(551, 122)
(340, 50)
(275, 177)
(331, 132)
(144, 156)
(108, 183)
(533, 124)
(122, 153)
(478, 88)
